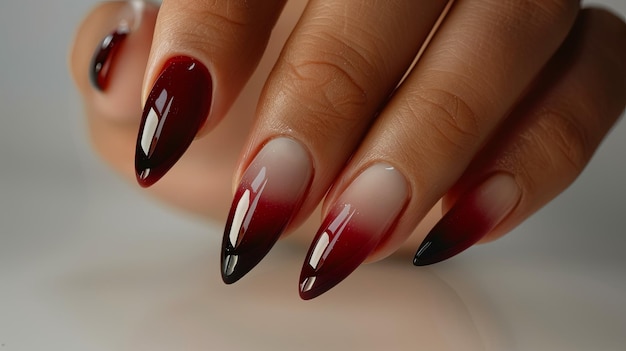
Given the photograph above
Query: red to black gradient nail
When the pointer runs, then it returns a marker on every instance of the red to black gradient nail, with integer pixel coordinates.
(103, 57)
(362, 216)
(175, 110)
(270, 193)
(475, 214)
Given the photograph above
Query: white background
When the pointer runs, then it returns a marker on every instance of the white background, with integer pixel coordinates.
(88, 263)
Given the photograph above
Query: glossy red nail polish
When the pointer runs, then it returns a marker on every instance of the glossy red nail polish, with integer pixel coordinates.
(175, 110)
(103, 57)
(270, 193)
(359, 220)
(473, 216)
(339, 248)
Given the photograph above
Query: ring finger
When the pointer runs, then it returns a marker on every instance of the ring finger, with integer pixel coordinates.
(483, 57)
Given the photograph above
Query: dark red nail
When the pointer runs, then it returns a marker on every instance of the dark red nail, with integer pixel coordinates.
(473, 216)
(363, 215)
(176, 109)
(269, 195)
(103, 58)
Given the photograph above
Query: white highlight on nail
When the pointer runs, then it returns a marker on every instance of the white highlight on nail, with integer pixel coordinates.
(145, 173)
(307, 284)
(424, 248)
(149, 129)
(258, 192)
(319, 249)
(160, 101)
(256, 183)
(340, 222)
(240, 212)
(164, 114)
(229, 264)
(105, 43)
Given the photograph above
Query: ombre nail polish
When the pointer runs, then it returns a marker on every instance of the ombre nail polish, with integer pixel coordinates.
(474, 215)
(362, 216)
(175, 110)
(104, 55)
(270, 193)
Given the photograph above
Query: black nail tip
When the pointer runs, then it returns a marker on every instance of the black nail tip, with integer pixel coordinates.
(235, 266)
(230, 272)
(428, 254)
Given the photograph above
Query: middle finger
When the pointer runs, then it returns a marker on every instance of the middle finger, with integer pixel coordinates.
(342, 61)
(477, 66)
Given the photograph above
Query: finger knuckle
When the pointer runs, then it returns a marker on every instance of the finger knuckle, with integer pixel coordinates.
(328, 95)
(542, 16)
(447, 118)
(329, 84)
(557, 8)
(548, 12)
(212, 27)
(234, 13)
(561, 143)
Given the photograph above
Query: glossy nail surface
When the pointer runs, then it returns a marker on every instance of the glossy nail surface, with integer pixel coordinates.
(270, 193)
(474, 215)
(175, 110)
(104, 56)
(355, 224)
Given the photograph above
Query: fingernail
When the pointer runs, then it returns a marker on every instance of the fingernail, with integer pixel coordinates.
(474, 215)
(104, 55)
(356, 223)
(270, 193)
(175, 110)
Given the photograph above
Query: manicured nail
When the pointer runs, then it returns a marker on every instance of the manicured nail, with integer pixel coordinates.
(104, 55)
(356, 223)
(175, 110)
(474, 215)
(270, 193)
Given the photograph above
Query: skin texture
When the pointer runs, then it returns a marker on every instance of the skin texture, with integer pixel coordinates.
(526, 88)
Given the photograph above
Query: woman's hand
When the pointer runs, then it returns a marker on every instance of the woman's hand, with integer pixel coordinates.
(502, 111)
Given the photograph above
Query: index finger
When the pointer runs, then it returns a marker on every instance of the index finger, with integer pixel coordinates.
(202, 54)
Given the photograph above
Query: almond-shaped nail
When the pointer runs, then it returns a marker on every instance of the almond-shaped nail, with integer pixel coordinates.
(104, 55)
(270, 193)
(474, 215)
(176, 109)
(362, 216)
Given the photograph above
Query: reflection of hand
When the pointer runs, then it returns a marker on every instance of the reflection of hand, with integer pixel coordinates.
(503, 110)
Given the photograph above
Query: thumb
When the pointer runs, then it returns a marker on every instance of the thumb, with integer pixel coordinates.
(115, 36)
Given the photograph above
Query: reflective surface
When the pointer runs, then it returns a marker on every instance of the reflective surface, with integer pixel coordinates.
(80, 271)
(103, 288)
(271, 190)
(176, 108)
